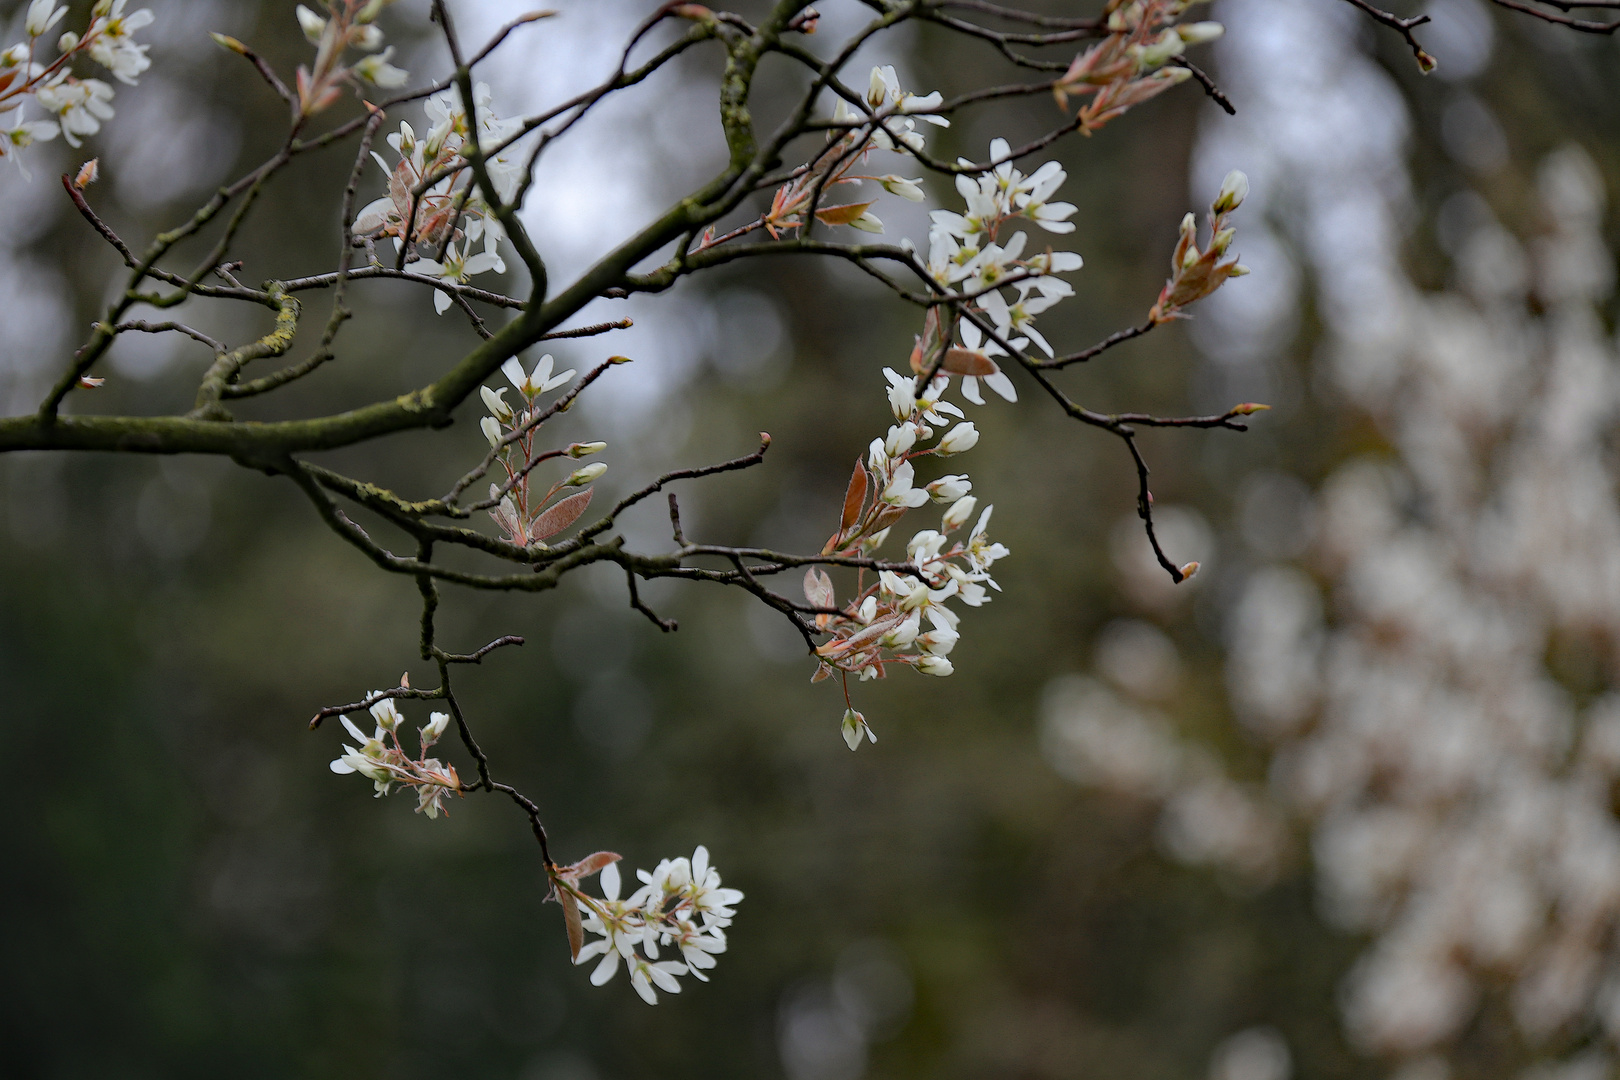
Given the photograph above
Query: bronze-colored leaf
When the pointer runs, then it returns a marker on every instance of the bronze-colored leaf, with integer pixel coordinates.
(576, 932)
(559, 516)
(589, 865)
(841, 215)
(854, 497)
(960, 361)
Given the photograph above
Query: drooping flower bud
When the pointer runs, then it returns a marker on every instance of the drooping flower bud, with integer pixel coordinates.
(580, 477)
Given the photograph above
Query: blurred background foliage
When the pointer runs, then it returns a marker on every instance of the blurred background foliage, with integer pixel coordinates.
(190, 892)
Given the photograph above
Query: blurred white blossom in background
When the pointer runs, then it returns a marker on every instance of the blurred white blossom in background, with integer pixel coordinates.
(1431, 665)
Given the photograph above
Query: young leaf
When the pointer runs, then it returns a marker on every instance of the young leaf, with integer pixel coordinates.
(576, 932)
(559, 516)
(854, 497)
(960, 361)
(818, 588)
(841, 215)
(587, 866)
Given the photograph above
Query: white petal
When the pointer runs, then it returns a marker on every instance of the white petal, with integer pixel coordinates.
(513, 370)
(610, 881)
(608, 968)
(1001, 385)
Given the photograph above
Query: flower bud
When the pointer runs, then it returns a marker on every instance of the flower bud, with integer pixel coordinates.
(437, 722)
(935, 665)
(854, 727)
(1151, 55)
(904, 634)
(310, 23)
(1238, 270)
(868, 609)
(938, 641)
(1234, 189)
(498, 408)
(1200, 33)
(961, 438)
(906, 189)
(902, 437)
(949, 488)
(867, 222)
(1222, 240)
(366, 37)
(492, 430)
(583, 476)
(586, 449)
(873, 542)
(70, 41)
(925, 546)
(41, 18)
(386, 714)
(877, 88)
(960, 511)
(377, 71)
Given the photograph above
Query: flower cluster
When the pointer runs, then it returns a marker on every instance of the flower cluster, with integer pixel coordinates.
(884, 623)
(970, 251)
(432, 201)
(1195, 274)
(382, 758)
(888, 126)
(348, 24)
(1127, 67)
(525, 518)
(76, 107)
(680, 906)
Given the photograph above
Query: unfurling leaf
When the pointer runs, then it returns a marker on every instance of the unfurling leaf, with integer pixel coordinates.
(589, 865)
(818, 588)
(960, 361)
(576, 932)
(841, 215)
(559, 516)
(854, 498)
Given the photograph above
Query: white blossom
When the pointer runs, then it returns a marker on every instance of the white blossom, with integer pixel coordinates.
(112, 44)
(538, 381)
(42, 15)
(79, 105)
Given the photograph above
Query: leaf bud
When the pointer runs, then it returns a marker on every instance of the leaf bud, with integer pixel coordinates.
(1188, 570)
